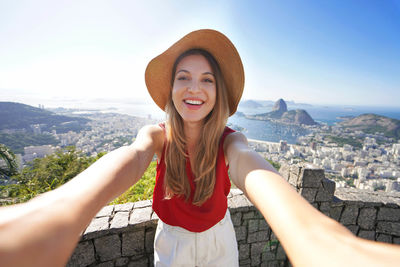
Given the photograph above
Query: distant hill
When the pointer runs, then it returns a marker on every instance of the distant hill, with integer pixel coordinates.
(298, 116)
(280, 113)
(372, 123)
(249, 104)
(16, 121)
(19, 116)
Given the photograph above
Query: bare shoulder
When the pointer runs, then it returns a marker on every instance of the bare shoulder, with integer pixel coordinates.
(151, 135)
(233, 142)
(236, 138)
(151, 130)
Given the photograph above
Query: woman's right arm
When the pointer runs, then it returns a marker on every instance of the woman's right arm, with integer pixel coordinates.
(45, 230)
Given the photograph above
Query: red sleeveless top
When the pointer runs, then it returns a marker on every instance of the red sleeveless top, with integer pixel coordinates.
(179, 212)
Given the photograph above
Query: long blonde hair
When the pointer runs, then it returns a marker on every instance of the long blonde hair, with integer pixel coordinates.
(176, 181)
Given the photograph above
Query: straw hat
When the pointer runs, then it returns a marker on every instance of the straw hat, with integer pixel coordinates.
(159, 71)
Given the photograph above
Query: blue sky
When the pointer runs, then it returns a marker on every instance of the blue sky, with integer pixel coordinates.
(318, 52)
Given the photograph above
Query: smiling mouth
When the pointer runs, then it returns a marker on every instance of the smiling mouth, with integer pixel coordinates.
(193, 102)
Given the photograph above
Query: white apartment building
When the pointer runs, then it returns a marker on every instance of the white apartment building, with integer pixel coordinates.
(32, 152)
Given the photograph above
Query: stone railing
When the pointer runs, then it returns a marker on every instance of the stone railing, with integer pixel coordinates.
(122, 235)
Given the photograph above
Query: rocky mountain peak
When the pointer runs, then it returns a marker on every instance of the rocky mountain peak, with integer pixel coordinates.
(282, 114)
(280, 106)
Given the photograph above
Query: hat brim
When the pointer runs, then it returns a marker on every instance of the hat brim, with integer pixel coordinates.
(159, 71)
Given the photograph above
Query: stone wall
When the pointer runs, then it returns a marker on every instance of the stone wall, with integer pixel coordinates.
(122, 235)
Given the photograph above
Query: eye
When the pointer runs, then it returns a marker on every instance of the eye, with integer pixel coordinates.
(208, 80)
(181, 78)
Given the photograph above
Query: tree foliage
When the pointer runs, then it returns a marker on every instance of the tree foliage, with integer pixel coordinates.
(52, 171)
(274, 164)
(8, 157)
(48, 173)
(142, 190)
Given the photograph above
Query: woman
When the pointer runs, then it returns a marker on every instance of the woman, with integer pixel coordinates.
(198, 82)
(57, 218)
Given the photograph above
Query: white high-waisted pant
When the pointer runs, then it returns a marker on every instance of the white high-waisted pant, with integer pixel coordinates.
(176, 246)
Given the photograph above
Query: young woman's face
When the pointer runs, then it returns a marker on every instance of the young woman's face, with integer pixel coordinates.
(194, 88)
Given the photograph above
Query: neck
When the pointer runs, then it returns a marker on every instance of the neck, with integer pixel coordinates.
(192, 133)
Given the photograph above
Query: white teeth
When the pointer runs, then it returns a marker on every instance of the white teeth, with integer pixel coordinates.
(193, 102)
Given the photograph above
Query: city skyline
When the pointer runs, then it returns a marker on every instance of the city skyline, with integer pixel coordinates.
(331, 52)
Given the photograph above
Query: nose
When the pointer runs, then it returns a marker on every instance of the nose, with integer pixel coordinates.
(194, 87)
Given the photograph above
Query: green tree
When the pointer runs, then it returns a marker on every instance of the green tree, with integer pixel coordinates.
(274, 164)
(143, 189)
(48, 173)
(8, 157)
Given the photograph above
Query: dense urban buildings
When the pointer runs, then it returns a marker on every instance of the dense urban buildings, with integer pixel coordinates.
(108, 131)
(372, 164)
(372, 167)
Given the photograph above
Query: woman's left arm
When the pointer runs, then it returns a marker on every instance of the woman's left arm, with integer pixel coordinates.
(309, 237)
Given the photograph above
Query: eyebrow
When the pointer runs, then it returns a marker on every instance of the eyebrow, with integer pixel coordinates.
(182, 71)
(207, 72)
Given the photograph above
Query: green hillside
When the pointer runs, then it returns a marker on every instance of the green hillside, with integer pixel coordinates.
(16, 122)
(20, 116)
(372, 123)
